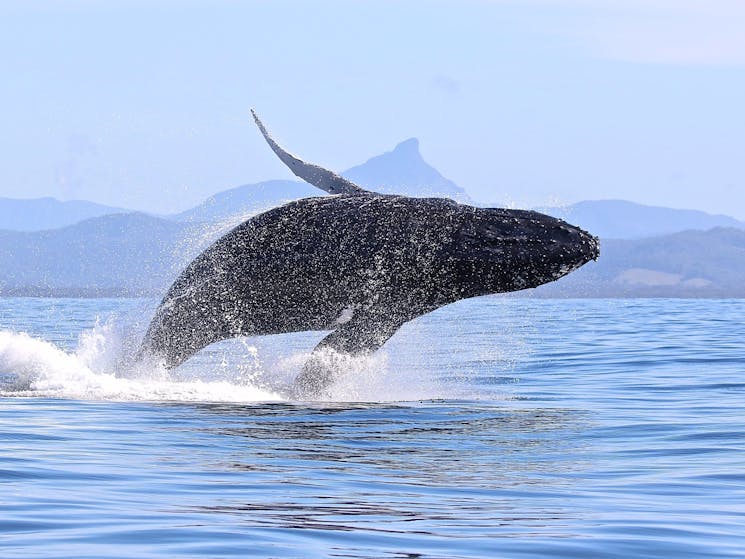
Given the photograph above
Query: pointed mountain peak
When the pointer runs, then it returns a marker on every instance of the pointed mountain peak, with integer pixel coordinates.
(408, 147)
(404, 171)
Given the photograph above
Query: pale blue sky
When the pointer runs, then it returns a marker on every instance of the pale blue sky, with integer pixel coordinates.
(144, 104)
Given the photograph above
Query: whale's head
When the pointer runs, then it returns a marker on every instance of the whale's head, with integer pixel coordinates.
(500, 250)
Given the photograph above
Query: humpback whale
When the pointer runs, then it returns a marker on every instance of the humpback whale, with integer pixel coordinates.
(357, 263)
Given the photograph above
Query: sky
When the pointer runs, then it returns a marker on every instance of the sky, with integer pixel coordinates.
(145, 104)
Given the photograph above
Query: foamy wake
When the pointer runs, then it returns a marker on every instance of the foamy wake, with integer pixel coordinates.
(99, 368)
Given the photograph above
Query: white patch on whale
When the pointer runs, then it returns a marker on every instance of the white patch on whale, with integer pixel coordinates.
(346, 315)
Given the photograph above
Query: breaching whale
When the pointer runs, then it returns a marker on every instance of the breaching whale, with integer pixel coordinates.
(358, 263)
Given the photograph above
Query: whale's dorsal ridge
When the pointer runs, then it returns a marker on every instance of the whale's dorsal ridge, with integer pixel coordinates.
(310, 173)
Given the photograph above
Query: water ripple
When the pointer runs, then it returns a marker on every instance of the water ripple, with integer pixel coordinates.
(589, 429)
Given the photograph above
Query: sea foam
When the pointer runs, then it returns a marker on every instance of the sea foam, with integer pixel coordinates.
(99, 370)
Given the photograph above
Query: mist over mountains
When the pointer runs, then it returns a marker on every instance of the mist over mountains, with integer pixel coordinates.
(53, 248)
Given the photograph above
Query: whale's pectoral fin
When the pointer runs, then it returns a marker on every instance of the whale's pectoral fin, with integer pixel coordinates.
(356, 337)
(312, 174)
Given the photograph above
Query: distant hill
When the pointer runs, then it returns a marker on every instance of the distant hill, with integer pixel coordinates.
(122, 254)
(247, 199)
(401, 171)
(47, 213)
(620, 219)
(404, 171)
(686, 264)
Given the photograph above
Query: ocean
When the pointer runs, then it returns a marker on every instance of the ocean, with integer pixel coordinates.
(495, 427)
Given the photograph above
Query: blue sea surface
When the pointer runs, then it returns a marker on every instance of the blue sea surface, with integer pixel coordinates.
(496, 427)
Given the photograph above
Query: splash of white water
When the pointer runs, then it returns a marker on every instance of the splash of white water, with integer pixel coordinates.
(367, 378)
(99, 369)
(96, 370)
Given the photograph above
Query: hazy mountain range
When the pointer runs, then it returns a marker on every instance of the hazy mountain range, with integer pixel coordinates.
(620, 219)
(127, 254)
(684, 264)
(47, 213)
(49, 247)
